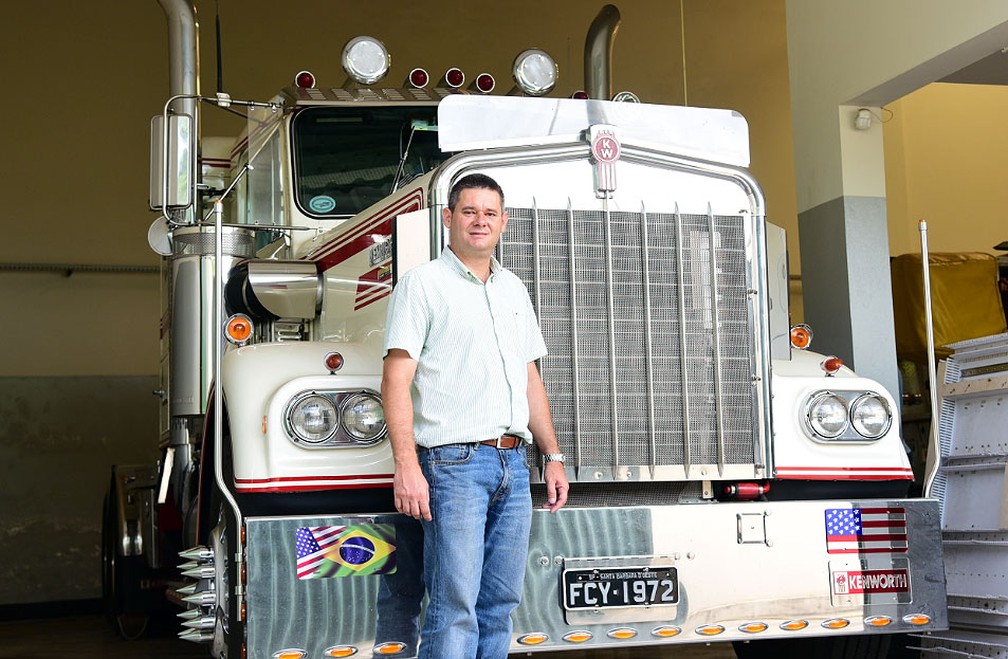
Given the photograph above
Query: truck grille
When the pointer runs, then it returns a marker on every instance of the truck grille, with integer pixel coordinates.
(651, 358)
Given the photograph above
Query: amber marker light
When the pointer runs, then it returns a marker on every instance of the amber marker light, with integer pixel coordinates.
(392, 647)
(293, 653)
(754, 627)
(622, 633)
(801, 336)
(334, 361)
(794, 625)
(580, 636)
(831, 364)
(666, 631)
(878, 621)
(835, 623)
(340, 651)
(917, 619)
(710, 630)
(238, 329)
(535, 638)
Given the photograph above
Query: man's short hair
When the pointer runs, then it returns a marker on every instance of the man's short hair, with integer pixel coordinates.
(473, 181)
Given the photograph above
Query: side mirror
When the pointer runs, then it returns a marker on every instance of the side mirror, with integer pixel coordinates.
(172, 163)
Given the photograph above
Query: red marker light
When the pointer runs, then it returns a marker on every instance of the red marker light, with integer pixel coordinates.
(454, 77)
(305, 80)
(418, 78)
(831, 364)
(485, 83)
(580, 94)
(333, 361)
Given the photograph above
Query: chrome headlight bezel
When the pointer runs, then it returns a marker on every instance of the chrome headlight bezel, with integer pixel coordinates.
(857, 421)
(339, 435)
(853, 427)
(814, 424)
(298, 429)
(350, 407)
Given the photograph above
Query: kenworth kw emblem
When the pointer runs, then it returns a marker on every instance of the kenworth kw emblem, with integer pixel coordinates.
(605, 151)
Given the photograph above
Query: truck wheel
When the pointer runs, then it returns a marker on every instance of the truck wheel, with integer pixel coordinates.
(121, 577)
(869, 646)
(228, 633)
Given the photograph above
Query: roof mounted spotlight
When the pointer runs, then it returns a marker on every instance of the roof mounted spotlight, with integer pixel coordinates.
(626, 97)
(535, 72)
(365, 60)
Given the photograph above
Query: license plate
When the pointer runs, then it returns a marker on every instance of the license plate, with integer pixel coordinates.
(594, 588)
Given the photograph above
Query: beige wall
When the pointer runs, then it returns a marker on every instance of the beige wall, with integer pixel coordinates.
(946, 154)
(89, 75)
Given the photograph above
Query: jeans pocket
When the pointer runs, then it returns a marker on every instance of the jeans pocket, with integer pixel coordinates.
(450, 454)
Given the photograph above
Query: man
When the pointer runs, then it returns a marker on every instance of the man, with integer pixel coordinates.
(462, 397)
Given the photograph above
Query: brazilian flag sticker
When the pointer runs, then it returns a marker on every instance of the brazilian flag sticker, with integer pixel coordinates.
(345, 551)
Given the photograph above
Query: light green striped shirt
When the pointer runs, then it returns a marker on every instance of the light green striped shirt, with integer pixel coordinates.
(472, 342)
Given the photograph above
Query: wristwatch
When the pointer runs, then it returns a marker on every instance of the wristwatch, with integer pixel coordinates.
(554, 457)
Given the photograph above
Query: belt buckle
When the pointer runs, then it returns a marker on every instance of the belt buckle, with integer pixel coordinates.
(497, 444)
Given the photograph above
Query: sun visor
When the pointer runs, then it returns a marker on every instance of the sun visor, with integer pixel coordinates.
(481, 122)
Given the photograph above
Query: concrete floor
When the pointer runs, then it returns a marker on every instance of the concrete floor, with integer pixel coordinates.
(90, 637)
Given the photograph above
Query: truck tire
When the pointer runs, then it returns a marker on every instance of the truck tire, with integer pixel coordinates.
(229, 633)
(121, 578)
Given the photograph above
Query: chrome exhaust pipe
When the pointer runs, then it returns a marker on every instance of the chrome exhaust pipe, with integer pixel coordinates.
(598, 53)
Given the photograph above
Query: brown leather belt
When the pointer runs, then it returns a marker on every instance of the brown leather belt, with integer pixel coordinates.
(504, 442)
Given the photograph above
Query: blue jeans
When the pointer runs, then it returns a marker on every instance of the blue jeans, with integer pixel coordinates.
(475, 549)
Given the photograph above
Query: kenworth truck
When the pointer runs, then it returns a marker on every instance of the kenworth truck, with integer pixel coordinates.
(727, 484)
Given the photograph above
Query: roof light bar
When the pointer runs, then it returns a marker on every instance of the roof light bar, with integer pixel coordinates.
(365, 60)
(304, 80)
(484, 83)
(418, 78)
(626, 97)
(535, 72)
(454, 77)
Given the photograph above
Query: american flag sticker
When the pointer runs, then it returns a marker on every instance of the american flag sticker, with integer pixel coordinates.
(344, 551)
(866, 530)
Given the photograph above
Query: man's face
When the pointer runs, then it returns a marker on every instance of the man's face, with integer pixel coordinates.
(476, 223)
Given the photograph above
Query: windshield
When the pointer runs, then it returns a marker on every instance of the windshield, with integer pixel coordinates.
(348, 158)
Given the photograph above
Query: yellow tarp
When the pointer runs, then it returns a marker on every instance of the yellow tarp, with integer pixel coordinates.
(965, 301)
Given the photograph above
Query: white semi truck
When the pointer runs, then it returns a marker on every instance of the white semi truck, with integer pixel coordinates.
(727, 484)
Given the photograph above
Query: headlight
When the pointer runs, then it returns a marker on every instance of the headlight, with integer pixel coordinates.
(870, 416)
(320, 419)
(313, 418)
(363, 417)
(827, 415)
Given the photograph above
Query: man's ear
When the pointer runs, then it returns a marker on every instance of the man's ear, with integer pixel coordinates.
(446, 217)
(504, 220)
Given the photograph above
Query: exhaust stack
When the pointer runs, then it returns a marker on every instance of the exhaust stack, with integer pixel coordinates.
(183, 67)
(598, 53)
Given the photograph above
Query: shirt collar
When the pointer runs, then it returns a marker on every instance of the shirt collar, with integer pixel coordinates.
(449, 256)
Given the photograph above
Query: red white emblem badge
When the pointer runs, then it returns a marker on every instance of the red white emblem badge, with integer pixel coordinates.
(605, 151)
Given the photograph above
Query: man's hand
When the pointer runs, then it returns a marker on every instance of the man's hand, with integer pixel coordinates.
(412, 494)
(556, 486)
